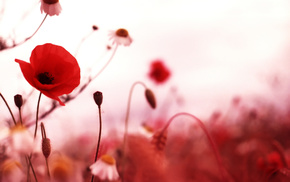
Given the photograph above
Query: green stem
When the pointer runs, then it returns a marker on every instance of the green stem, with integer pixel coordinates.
(37, 111)
(17, 44)
(99, 139)
(8, 108)
(36, 29)
(20, 116)
(43, 134)
(110, 59)
(47, 167)
(32, 169)
(127, 120)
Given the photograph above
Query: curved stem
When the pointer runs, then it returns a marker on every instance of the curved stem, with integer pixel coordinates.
(82, 41)
(99, 139)
(128, 110)
(17, 44)
(212, 143)
(36, 29)
(3, 98)
(127, 120)
(37, 111)
(103, 68)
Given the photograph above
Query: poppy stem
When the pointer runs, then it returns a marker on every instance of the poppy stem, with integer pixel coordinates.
(82, 41)
(99, 138)
(36, 29)
(43, 134)
(37, 111)
(20, 116)
(28, 158)
(212, 143)
(127, 120)
(103, 68)
(17, 44)
(3, 98)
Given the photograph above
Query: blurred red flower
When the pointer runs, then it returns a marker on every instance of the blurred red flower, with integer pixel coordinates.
(159, 73)
(271, 163)
(52, 70)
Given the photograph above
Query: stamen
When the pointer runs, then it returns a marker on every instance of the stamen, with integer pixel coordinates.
(45, 78)
(122, 33)
(148, 128)
(108, 159)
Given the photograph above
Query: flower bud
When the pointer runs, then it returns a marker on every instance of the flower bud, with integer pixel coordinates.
(150, 98)
(98, 97)
(18, 100)
(46, 147)
(159, 140)
(94, 27)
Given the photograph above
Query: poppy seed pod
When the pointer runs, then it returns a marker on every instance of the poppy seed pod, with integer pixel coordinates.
(18, 100)
(94, 27)
(150, 98)
(46, 147)
(98, 97)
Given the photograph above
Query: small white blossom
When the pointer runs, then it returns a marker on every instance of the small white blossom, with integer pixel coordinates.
(4, 132)
(121, 37)
(146, 131)
(11, 171)
(21, 140)
(51, 7)
(105, 168)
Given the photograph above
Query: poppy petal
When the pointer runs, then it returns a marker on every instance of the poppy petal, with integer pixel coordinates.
(27, 71)
(52, 70)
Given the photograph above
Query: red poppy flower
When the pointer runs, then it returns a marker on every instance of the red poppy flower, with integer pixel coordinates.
(159, 72)
(52, 70)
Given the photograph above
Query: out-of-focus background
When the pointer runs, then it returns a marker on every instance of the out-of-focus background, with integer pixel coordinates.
(215, 49)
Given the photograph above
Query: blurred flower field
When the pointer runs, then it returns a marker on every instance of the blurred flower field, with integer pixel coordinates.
(157, 139)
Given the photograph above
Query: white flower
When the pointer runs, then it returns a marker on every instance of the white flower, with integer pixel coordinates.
(121, 37)
(61, 168)
(21, 140)
(51, 7)
(146, 130)
(4, 132)
(105, 168)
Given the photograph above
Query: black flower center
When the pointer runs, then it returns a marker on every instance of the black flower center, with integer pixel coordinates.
(45, 78)
(50, 1)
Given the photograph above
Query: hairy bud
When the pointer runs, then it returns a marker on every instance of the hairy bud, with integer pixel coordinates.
(150, 98)
(18, 100)
(98, 97)
(46, 147)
